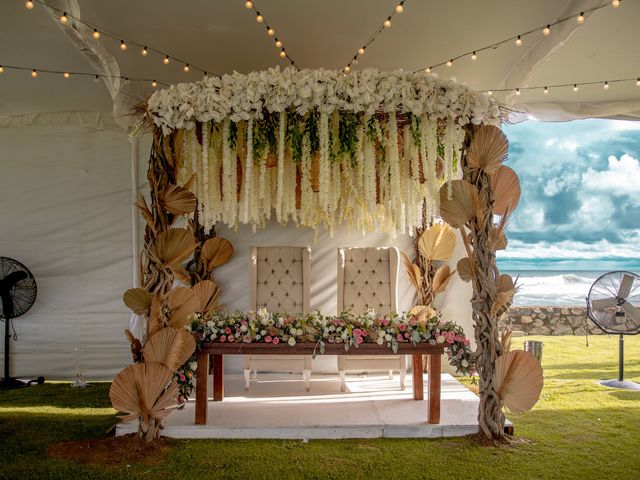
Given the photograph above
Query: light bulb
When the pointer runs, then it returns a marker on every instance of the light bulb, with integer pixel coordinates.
(248, 4)
(638, 82)
(450, 63)
(96, 34)
(474, 56)
(283, 53)
(361, 51)
(28, 5)
(186, 68)
(63, 18)
(387, 22)
(259, 18)
(518, 91)
(546, 30)
(581, 18)
(154, 84)
(575, 87)
(278, 44)
(66, 74)
(606, 85)
(546, 91)
(123, 46)
(34, 74)
(399, 8)
(144, 52)
(347, 69)
(166, 60)
(519, 41)
(271, 32)
(97, 79)
(490, 92)
(1, 69)
(427, 70)
(615, 3)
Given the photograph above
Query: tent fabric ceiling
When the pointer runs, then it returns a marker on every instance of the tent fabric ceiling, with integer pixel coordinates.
(224, 37)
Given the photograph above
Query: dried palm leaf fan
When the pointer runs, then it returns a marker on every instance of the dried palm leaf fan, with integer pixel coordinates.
(488, 149)
(144, 391)
(172, 247)
(178, 200)
(182, 302)
(463, 204)
(506, 190)
(170, 346)
(613, 304)
(208, 295)
(518, 380)
(216, 251)
(138, 300)
(437, 242)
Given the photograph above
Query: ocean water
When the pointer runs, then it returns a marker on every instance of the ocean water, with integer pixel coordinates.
(553, 287)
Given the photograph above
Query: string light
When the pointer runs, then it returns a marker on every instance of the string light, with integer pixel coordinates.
(66, 74)
(63, 18)
(387, 23)
(427, 70)
(638, 82)
(186, 68)
(278, 43)
(474, 56)
(575, 87)
(347, 69)
(144, 52)
(361, 50)
(615, 3)
(581, 18)
(96, 34)
(519, 41)
(166, 60)
(450, 63)
(34, 73)
(248, 4)
(490, 92)
(518, 91)
(154, 84)
(97, 79)
(270, 31)
(546, 30)
(1, 69)
(259, 18)
(283, 53)
(29, 5)
(123, 46)
(400, 7)
(546, 91)
(606, 85)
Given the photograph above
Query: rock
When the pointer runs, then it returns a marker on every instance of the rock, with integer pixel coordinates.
(526, 319)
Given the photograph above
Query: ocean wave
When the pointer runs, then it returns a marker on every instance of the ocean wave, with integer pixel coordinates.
(557, 288)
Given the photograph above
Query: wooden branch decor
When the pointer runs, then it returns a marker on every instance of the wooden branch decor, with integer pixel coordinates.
(148, 390)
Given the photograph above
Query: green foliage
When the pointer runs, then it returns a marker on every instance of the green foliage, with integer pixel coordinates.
(312, 129)
(233, 135)
(578, 430)
(295, 134)
(348, 134)
(265, 135)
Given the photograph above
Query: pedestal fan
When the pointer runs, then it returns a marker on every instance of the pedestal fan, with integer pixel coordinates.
(17, 295)
(613, 304)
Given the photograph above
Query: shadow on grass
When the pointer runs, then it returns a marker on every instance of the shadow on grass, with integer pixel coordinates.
(58, 395)
(591, 371)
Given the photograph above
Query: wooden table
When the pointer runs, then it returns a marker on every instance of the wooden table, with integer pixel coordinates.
(217, 351)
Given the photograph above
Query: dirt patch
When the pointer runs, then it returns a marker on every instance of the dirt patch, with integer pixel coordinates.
(112, 451)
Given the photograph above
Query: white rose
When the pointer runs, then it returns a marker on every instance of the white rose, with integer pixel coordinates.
(440, 339)
(244, 328)
(292, 341)
(193, 365)
(464, 363)
(380, 340)
(344, 335)
(388, 337)
(210, 324)
(263, 332)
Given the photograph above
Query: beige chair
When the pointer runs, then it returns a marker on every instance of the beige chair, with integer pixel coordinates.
(280, 278)
(368, 279)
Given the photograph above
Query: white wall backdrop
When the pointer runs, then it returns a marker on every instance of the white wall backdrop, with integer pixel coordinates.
(65, 212)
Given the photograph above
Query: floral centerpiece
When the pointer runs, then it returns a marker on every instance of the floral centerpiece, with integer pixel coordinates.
(347, 329)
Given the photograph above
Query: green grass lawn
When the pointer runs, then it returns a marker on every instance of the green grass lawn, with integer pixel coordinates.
(578, 430)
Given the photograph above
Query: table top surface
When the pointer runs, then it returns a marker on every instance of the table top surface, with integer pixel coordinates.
(308, 348)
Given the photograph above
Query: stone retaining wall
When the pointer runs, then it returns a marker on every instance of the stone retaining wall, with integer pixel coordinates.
(550, 321)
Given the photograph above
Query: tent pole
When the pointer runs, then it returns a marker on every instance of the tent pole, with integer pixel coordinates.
(134, 209)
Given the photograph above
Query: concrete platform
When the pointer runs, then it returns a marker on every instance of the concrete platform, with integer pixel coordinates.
(277, 406)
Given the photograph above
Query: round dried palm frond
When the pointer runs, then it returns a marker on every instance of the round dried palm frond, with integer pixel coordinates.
(178, 200)
(437, 242)
(497, 239)
(441, 279)
(170, 347)
(489, 148)
(138, 300)
(505, 290)
(461, 208)
(208, 294)
(423, 312)
(216, 251)
(506, 190)
(172, 246)
(465, 269)
(156, 317)
(413, 271)
(518, 380)
(144, 390)
(182, 302)
(191, 183)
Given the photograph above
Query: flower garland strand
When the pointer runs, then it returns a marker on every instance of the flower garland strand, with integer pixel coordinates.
(248, 175)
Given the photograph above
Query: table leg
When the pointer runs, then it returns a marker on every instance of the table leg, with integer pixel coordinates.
(433, 381)
(218, 378)
(202, 375)
(418, 386)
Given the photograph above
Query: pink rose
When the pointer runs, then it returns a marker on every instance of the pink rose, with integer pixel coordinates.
(402, 327)
(227, 330)
(357, 332)
(385, 321)
(223, 338)
(268, 339)
(359, 340)
(230, 338)
(276, 340)
(399, 337)
(180, 399)
(182, 377)
(246, 339)
(407, 335)
(413, 322)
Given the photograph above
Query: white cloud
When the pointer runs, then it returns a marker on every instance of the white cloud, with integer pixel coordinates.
(622, 177)
(569, 250)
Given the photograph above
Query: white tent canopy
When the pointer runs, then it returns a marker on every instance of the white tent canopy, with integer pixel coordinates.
(66, 183)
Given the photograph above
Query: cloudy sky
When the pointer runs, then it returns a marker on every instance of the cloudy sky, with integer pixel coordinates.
(580, 205)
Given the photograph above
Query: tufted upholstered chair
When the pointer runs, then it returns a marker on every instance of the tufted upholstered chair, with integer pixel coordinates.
(280, 279)
(368, 279)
